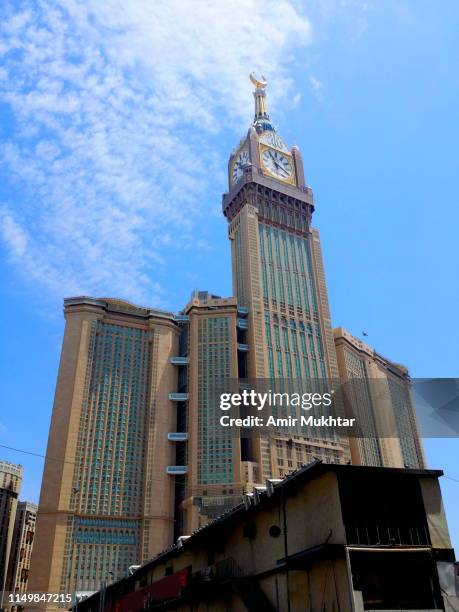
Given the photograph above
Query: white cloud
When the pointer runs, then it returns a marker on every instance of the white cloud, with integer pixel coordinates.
(315, 83)
(115, 107)
(296, 99)
(14, 236)
(317, 87)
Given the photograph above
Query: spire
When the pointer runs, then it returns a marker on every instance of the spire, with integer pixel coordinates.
(261, 119)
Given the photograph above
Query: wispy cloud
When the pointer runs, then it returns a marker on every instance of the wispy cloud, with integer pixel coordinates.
(316, 86)
(315, 83)
(113, 107)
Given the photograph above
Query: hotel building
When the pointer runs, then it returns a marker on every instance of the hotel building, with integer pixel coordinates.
(214, 479)
(378, 392)
(106, 500)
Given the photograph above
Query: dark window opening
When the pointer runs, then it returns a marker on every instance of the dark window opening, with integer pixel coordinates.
(394, 581)
(385, 509)
(246, 449)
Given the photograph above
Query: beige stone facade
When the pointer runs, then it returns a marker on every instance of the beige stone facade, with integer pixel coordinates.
(106, 500)
(378, 393)
(214, 480)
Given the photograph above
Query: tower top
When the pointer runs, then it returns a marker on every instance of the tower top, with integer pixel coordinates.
(261, 120)
(258, 84)
(262, 154)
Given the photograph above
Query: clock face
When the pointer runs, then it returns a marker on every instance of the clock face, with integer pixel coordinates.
(241, 161)
(277, 164)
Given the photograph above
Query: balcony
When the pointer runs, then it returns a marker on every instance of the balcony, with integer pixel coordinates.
(178, 397)
(243, 311)
(242, 323)
(243, 347)
(179, 361)
(177, 470)
(384, 534)
(181, 318)
(177, 436)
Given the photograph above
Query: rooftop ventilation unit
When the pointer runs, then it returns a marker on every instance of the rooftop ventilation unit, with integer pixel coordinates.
(248, 500)
(271, 484)
(257, 491)
(181, 540)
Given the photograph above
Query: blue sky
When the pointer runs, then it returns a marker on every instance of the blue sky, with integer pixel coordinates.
(116, 122)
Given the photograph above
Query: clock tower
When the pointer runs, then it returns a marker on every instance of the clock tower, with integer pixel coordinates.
(278, 277)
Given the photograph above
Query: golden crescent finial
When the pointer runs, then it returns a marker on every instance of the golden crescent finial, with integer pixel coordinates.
(258, 84)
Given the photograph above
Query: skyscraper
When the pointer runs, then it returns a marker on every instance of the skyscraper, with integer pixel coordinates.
(136, 456)
(278, 276)
(21, 548)
(378, 393)
(107, 500)
(215, 478)
(10, 484)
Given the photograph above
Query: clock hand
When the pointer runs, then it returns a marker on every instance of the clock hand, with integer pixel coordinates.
(280, 169)
(275, 162)
(279, 166)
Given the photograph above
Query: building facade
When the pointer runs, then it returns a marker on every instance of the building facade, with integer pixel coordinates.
(378, 392)
(10, 484)
(21, 548)
(107, 500)
(214, 480)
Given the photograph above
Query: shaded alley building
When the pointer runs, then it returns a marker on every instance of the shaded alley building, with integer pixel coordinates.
(380, 541)
(10, 485)
(21, 548)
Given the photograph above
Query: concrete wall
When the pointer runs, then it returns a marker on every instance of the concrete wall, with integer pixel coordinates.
(313, 517)
(436, 519)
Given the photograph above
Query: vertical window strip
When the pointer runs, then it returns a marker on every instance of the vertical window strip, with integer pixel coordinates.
(263, 262)
(307, 250)
(271, 263)
(239, 268)
(293, 256)
(279, 267)
(304, 275)
(286, 267)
